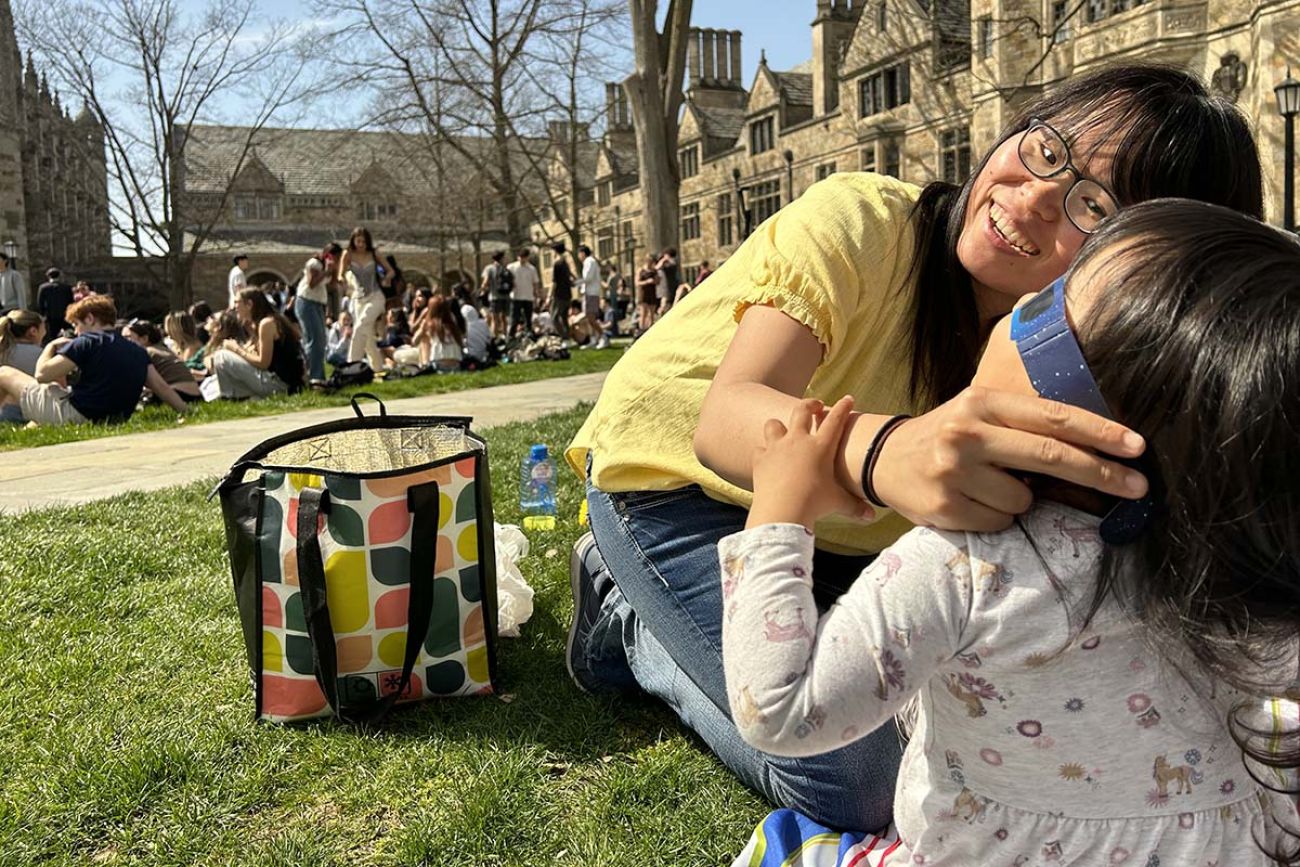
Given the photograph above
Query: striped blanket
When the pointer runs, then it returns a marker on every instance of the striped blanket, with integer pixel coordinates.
(789, 839)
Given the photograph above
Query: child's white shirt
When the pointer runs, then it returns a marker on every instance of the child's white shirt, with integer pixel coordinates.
(1023, 753)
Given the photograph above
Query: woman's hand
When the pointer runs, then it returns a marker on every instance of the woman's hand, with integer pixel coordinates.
(794, 469)
(956, 466)
(231, 345)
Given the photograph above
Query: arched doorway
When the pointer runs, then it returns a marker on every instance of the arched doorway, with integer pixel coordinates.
(262, 276)
(417, 279)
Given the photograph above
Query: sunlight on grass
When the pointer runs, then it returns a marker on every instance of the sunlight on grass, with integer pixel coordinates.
(128, 735)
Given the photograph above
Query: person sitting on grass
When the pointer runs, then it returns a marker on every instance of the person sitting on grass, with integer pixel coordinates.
(1105, 680)
(582, 328)
(340, 338)
(440, 340)
(21, 335)
(397, 331)
(111, 371)
(271, 363)
(148, 337)
(183, 337)
(478, 338)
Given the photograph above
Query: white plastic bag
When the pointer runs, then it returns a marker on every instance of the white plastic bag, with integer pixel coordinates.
(514, 596)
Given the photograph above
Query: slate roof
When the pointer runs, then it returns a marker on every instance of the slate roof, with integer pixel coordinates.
(624, 157)
(797, 87)
(721, 123)
(319, 162)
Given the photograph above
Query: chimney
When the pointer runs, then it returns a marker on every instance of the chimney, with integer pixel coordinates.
(611, 104)
(693, 57)
(736, 74)
(710, 54)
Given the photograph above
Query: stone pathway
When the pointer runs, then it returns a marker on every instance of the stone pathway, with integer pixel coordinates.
(81, 472)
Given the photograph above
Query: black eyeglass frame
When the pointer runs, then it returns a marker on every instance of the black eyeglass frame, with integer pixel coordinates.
(1069, 166)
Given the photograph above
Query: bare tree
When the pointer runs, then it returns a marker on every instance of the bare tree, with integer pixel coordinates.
(149, 72)
(654, 92)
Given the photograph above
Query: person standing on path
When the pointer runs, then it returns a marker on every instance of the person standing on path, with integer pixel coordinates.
(497, 285)
(52, 300)
(13, 287)
(237, 280)
(359, 268)
(668, 279)
(561, 289)
(590, 283)
(309, 306)
(526, 280)
(647, 285)
(878, 289)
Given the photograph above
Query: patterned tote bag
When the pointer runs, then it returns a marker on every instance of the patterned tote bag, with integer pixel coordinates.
(349, 539)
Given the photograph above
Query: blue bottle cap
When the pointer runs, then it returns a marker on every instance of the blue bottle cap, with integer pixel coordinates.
(539, 452)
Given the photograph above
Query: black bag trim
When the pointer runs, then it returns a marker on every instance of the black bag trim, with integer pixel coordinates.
(261, 631)
(423, 502)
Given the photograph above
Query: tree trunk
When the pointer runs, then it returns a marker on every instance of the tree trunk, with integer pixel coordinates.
(654, 93)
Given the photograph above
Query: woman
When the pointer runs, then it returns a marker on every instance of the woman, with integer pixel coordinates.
(183, 333)
(647, 281)
(871, 287)
(309, 306)
(271, 363)
(171, 368)
(21, 334)
(359, 268)
(439, 337)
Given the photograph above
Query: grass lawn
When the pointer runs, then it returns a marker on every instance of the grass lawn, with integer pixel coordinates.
(162, 417)
(128, 738)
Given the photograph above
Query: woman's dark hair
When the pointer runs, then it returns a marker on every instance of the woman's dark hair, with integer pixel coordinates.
(364, 233)
(228, 327)
(330, 249)
(1194, 340)
(443, 322)
(201, 311)
(260, 308)
(146, 331)
(1169, 138)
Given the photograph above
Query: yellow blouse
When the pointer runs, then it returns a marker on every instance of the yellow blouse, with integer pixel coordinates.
(836, 260)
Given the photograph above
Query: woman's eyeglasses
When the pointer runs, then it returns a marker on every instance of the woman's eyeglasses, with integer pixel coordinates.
(1044, 152)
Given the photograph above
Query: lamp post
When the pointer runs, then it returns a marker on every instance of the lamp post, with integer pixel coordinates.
(789, 175)
(1288, 104)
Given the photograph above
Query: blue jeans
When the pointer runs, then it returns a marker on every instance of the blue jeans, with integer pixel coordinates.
(311, 318)
(661, 629)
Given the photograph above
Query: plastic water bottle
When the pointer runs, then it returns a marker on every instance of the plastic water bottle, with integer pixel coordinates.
(537, 489)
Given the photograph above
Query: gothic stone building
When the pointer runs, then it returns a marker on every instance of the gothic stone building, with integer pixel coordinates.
(53, 180)
(917, 89)
(280, 195)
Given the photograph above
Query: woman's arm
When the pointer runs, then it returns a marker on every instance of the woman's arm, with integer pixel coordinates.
(264, 346)
(345, 261)
(947, 468)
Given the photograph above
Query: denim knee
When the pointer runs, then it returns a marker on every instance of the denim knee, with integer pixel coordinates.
(833, 789)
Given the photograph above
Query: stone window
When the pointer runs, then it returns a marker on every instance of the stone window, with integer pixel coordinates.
(893, 160)
(690, 221)
(882, 16)
(250, 209)
(764, 200)
(602, 194)
(605, 244)
(825, 170)
(955, 151)
(761, 137)
(725, 236)
(986, 37)
(1060, 21)
(885, 89)
(689, 158)
(869, 158)
(371, 210)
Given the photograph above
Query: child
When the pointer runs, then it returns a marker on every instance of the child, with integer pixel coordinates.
(1075, 702)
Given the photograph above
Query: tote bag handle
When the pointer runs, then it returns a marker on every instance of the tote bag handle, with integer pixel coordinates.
(422, 500)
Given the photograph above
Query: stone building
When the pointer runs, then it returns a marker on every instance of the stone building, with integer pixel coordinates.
(53, 179)
(918, 89)
(280, 195)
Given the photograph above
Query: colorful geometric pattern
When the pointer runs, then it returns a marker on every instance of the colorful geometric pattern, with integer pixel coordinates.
(365, 543)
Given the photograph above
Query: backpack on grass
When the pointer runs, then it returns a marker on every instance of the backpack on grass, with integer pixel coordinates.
(349, 375)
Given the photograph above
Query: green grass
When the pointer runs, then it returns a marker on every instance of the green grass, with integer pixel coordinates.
(127, 735)
(162, 417)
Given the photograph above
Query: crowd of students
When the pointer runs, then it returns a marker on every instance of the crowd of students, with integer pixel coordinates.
(351, 306)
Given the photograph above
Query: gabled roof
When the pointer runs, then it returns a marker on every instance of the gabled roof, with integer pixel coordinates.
(796, 86)
(329, 162)
(721, 123)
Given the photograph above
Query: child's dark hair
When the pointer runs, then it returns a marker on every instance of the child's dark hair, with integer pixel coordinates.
(1169, 137)
(1194, 340)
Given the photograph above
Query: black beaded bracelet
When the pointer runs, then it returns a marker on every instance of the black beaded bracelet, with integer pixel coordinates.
(873, 455)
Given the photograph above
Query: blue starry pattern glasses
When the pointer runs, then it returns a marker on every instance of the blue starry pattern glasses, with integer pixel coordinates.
(1045, 153)
(1058, 371)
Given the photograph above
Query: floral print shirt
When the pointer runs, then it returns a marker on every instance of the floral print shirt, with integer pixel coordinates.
(1033, 743)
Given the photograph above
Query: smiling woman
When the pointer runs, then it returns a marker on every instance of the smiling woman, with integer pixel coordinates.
(869, 287)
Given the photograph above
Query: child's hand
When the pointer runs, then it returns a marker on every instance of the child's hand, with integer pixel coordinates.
(794, 470)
